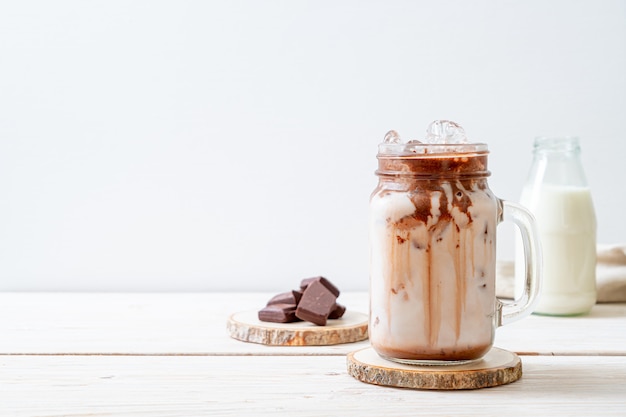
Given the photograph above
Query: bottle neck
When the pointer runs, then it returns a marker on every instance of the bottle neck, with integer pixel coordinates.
(556, 146)
(557, 162)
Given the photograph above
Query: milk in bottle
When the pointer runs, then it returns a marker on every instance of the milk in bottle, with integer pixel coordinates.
(557, 194)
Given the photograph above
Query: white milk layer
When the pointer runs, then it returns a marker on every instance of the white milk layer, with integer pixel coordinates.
(432, 291)
(567, 230)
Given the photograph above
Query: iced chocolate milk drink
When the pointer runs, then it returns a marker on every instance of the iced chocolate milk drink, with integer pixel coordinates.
(432, 232)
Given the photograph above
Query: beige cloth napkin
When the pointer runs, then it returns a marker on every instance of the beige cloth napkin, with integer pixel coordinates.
(610, 275)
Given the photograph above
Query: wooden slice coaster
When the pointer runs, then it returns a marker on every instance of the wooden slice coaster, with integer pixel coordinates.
(246, 326)
(498, 367)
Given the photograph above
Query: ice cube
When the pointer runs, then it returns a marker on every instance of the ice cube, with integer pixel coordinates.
(442, 132)
(392, 137)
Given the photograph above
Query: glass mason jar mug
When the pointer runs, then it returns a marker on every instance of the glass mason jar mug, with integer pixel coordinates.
(432, 231)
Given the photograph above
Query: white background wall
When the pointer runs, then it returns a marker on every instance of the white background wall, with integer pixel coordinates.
(228, 145)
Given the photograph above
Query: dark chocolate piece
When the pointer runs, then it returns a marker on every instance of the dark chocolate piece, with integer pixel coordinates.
(337, 312)
(316, 304)
(279, 313)
(291, 297)
(307, 281)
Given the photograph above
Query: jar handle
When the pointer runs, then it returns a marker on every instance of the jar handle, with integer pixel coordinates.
(508, 312)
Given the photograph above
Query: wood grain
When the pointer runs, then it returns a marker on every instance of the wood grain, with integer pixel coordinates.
(195, 324)
(246, 326)
(498, 367)
(170, 355)
(175, 386)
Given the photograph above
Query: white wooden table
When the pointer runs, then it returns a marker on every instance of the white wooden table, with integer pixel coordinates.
(170, 355)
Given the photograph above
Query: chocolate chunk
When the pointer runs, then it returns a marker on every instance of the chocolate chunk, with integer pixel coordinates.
(307, 281)
(337, 312)
(316, 304)
(291, 297)
(279, 313)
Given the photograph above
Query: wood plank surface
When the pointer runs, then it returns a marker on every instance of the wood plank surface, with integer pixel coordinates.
(170, 355)
(175, 386)
(195, 324)
(158, 323)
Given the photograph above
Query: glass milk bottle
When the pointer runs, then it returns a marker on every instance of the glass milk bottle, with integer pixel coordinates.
(556, 192)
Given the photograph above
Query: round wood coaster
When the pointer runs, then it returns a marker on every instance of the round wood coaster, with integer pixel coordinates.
(497, 367)
(246, 326)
